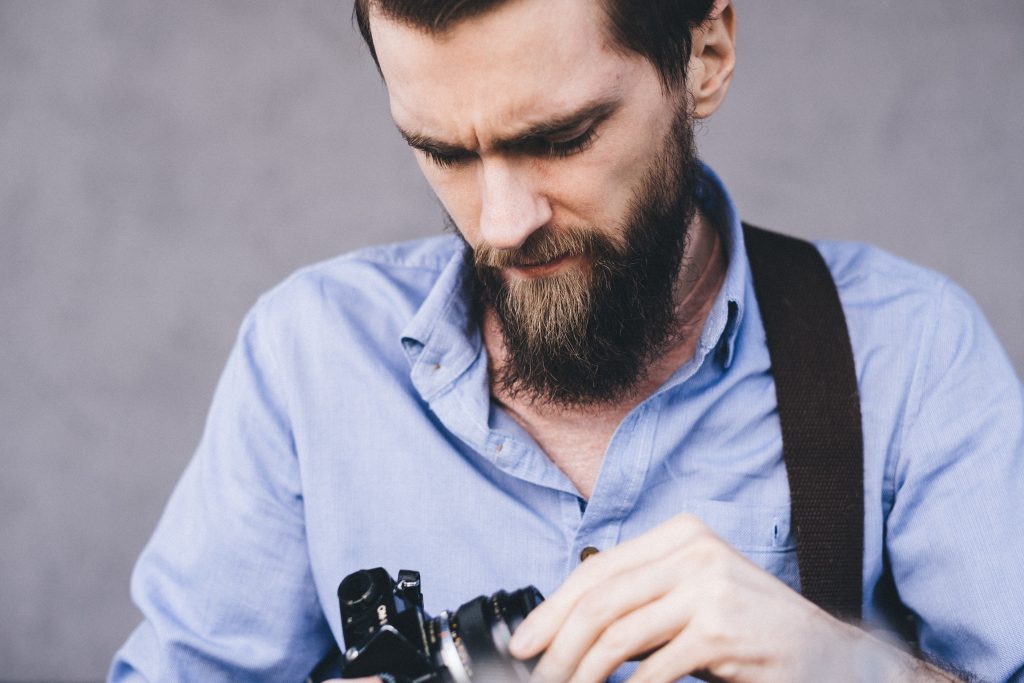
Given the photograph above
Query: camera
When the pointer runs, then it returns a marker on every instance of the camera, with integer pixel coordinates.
(388, 634)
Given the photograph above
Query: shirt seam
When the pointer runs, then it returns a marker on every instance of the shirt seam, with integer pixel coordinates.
(275, 376)
(915, 396)
(375, 256)
(383, 255)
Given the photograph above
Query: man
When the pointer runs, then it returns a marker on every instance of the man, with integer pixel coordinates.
(584, 369)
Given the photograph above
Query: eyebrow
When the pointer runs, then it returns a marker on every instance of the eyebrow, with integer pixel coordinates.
(592, 112)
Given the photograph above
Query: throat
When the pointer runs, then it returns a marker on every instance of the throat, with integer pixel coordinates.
(574, 441)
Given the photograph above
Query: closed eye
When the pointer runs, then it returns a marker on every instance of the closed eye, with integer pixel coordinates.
(443, 160)
(538, 147)
(557, 137)
(564, 148)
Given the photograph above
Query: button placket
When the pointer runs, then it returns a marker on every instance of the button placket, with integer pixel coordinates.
(619, 484)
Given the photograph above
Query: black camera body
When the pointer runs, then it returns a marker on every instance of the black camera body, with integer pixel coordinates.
(387, 632)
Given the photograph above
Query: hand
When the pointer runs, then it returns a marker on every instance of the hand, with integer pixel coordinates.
(705, 609)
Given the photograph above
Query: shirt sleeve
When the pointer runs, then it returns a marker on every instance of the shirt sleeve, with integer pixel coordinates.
(225, 585)
(955, 533)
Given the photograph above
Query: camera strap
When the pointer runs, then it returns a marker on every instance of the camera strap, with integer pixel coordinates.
(819, 410)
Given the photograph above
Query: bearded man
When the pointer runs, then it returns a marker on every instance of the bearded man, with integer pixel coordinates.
(582, 371)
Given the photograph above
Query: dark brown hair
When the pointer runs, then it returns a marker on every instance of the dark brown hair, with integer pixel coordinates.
(658, 30)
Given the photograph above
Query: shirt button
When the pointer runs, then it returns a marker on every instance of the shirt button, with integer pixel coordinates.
(589, 551)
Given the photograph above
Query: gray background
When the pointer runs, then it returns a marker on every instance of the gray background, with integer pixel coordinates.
(165, 162)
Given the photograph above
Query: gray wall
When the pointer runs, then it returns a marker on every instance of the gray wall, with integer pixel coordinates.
(165, 162)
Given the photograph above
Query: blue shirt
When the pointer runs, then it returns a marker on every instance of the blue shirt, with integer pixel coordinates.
(353, 428)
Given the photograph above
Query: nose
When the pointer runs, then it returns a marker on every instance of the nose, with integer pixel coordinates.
(512, 205)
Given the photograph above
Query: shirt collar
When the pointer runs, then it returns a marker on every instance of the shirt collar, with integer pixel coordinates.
(443, 337)
(724, 320)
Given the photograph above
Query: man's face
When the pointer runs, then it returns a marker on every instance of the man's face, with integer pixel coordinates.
(567, 170)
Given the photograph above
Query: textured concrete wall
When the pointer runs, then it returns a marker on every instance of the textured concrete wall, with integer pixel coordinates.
(165, 162)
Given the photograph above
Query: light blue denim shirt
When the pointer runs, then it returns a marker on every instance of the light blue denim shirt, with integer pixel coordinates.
(353, 428)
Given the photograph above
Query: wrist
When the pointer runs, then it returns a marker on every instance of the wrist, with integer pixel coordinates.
(877, 660)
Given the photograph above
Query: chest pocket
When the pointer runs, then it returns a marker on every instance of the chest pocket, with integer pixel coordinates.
(762, 533)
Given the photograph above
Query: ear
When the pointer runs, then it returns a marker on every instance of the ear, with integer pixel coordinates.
(713, 59)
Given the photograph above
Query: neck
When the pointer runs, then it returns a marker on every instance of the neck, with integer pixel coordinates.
(700, 278)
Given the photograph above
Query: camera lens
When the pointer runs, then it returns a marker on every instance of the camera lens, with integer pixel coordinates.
(474, 640)
(515, 606)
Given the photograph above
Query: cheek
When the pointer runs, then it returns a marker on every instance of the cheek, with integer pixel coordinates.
(596, 188)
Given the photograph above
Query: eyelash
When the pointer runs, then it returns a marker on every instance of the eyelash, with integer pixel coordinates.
(569, 147)
(442, 160)
(556, 149)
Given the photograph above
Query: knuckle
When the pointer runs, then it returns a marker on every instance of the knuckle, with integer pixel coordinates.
(726, 669)
(686, 522)
(592, 607)
(704, 548)
(715, 632)
(617, 640)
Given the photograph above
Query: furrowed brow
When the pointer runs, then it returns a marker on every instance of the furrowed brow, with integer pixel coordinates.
(590, 113)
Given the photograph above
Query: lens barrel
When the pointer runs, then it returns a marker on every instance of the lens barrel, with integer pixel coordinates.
(481, 630)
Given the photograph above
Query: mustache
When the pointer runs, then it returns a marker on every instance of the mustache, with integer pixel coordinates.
(543, 245)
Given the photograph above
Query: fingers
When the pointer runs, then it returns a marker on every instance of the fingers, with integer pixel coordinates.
(683, 594)
(642, 631)
(681, 656)
(536, 633)
(604, 619)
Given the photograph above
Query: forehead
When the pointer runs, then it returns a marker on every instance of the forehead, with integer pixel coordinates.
(523, 60)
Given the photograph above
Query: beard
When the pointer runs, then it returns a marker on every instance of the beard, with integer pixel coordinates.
(586, 337)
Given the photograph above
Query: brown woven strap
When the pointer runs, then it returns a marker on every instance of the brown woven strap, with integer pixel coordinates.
(819, 409)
